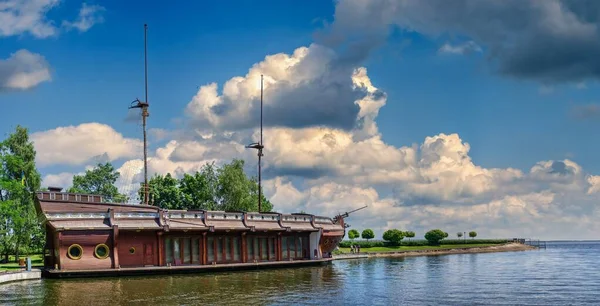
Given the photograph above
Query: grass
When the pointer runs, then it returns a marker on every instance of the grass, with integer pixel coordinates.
(36, 261)
(419, 248)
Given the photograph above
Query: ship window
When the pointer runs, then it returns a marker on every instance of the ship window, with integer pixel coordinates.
(101, 251)
(75, 251)
(131, 250)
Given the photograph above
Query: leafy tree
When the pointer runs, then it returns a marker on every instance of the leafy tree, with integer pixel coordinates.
(445, 234)
(236, 192)
(459, 234)
(473, 234)
(368, 234)
(100, 180)
(353, 234)
(164, 192)
(198, 190)
(434, 236)
(409, 234)
(19, 179)
(393, 236)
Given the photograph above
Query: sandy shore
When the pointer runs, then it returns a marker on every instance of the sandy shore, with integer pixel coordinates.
(509, 247)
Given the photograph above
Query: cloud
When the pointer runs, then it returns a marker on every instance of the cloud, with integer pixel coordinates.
(78, 145)
(304, 89)
(464, 48)
(89, 15)
(586, 112)
(549, 41)
(19, 17)
(23, 70)
(63, 179)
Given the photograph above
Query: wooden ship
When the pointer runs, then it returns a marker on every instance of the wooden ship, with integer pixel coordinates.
(86, 236)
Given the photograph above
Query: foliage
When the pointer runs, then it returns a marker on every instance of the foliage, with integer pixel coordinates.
(353, 234)
(434, 236)
(409, 234)
(100, 180)
(419, 242)
(473, 234)
(459, 234)
(210, 188)
(19, 179)
(368, 234)
(393, 236)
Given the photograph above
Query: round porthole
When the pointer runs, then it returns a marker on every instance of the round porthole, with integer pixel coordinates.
(101, 251)
(75, 251)
(131, 250)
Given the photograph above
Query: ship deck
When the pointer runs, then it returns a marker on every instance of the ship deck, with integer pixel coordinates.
(186, 269)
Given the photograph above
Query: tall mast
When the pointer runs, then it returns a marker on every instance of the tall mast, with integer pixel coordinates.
(144, 106)
(259, 146)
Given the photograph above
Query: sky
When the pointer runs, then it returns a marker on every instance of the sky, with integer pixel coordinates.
(478, 116)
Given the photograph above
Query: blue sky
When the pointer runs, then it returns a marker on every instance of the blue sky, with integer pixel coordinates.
(508, 119)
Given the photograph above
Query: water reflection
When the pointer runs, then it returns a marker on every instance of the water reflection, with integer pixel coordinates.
(521, 278)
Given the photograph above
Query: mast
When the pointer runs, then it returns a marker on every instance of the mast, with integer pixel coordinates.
(259, 146)
(144, 106)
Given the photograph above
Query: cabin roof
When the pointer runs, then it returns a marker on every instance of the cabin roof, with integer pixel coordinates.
(65, 211)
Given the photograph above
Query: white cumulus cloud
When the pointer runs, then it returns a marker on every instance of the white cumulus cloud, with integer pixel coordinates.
(23, 70)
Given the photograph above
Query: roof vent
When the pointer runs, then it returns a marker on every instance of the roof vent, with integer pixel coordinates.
(55, 189)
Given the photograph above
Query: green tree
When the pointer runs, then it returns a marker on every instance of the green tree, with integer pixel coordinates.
(164, 192)
(235, 191)
(459, 234)
(368, 234)
(435, 236)
(445, 234)
(100, 180)
(353, 234)
(473, 234)
(409, 234)
(19, 180)
(199, 190)
(393, 236)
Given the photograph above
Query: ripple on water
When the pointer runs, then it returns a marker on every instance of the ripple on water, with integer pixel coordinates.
(559, 275)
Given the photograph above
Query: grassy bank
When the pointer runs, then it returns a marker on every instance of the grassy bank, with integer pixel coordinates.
(36, 261)
(419, 248)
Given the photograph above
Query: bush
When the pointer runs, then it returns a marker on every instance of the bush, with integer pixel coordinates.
(368, 234)
(393, 236)
(353, 234)
(420, 242)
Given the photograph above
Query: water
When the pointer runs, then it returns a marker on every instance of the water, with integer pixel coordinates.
(563, 274)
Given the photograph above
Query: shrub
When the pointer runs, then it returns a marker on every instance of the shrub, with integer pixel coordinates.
(368, 234)
(393, 236)
(473, 234)
(353, 234)
(435, 236)
(419, 242)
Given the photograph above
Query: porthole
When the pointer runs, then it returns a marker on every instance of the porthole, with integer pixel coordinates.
(102, 251)
(75, 251)
(131, 250)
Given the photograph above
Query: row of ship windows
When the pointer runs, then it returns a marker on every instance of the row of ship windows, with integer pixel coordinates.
(101, 251)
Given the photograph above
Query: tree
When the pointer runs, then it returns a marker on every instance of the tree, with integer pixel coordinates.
(473, 234)
(459, 234)
(198, 190)
(100, 180)
(434, 236)
(393, 236)
(353, 234)
(445, 234)
(236, 192)
(164, 192)
(368, 234)
(409, 234)
(19, 180)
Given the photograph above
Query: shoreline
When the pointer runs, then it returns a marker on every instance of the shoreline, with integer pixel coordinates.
(509, 247)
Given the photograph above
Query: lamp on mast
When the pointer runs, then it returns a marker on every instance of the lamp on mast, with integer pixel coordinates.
(259, 145)
(144, 106)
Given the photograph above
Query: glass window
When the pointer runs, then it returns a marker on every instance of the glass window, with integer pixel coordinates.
(219, 254)
(271, 248)
(168, 250)
(196, 251)
(227, 242)
(264, 248)
(256, 249)
(176, 251)
(187, 246)
(292, 242)
(210, 247)
(101, 251)
(236, 249)
(284, 247)
(250, 248)
(75, 251)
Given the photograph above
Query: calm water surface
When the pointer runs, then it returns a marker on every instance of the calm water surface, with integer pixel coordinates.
(563, 274)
